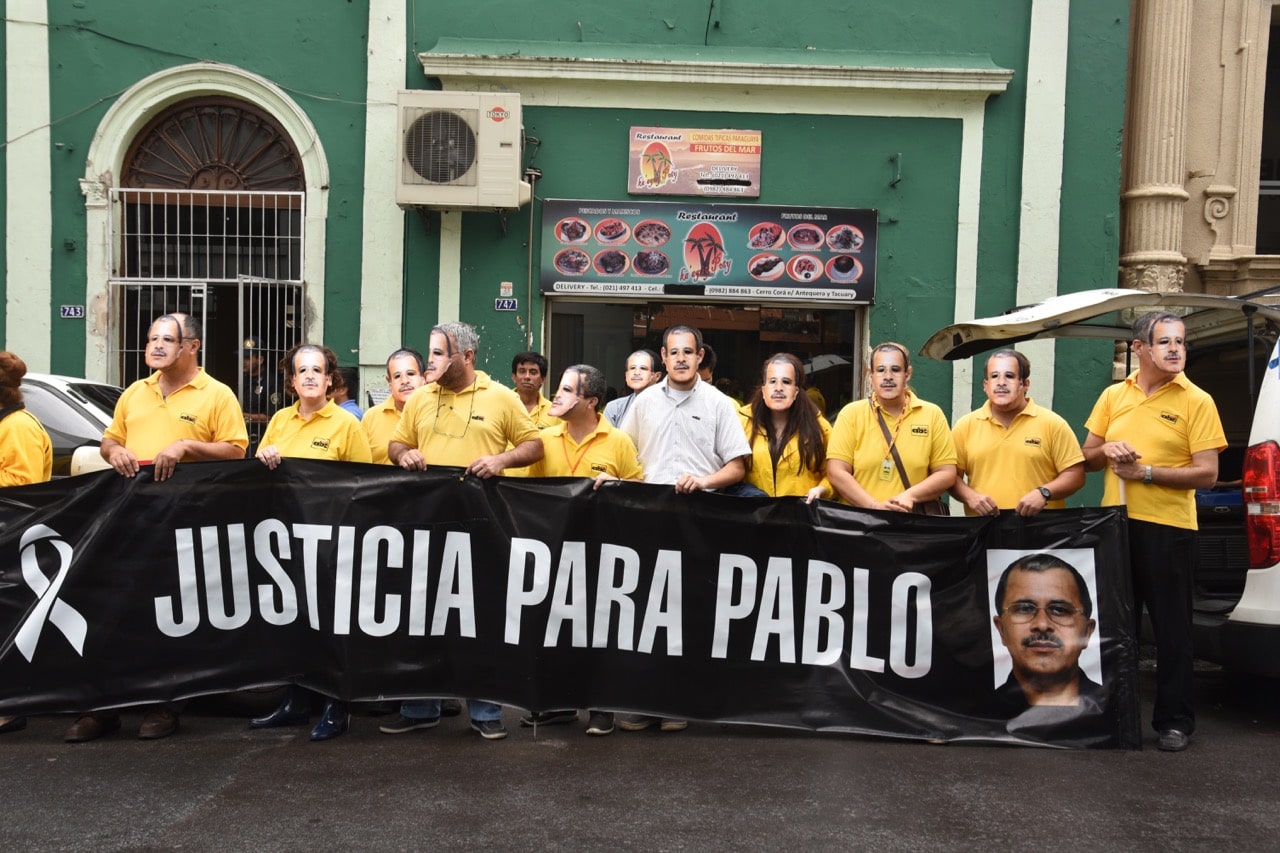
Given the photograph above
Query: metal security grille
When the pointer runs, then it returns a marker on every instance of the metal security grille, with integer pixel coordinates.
(269, 315)
(207, 235)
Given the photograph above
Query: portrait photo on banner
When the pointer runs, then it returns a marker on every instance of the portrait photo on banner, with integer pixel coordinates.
(1049, 620)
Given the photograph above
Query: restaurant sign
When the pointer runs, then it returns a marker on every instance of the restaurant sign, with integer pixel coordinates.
(690, 249)
(687, 161)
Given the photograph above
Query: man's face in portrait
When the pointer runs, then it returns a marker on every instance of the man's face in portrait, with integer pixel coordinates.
(1042, 623)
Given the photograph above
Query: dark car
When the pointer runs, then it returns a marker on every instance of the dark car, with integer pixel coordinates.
(74, 412)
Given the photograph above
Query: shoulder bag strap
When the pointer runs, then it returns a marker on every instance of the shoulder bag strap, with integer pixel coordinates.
(893, 450)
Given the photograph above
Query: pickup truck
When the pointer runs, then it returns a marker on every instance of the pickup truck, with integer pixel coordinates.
(1236, 598)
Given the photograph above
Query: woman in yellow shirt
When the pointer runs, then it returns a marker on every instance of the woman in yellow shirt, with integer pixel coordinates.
(314, 427)
(861, 462)
(788, 436)
(26, 454)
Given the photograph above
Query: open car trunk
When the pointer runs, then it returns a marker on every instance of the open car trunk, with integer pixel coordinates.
(1229, 339)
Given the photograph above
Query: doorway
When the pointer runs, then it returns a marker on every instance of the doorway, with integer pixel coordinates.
(743, 335)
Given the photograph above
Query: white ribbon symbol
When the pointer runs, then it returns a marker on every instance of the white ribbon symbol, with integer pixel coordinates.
(49, 608)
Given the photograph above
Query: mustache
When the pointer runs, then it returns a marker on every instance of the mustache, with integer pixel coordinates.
(1042, 637)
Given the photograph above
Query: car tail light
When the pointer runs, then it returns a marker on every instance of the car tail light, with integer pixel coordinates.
(1262, 504)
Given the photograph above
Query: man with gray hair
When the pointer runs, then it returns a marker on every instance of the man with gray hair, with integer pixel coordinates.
(1157, 438)
(461, 418)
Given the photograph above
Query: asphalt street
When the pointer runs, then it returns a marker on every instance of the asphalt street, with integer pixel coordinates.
(219, 786)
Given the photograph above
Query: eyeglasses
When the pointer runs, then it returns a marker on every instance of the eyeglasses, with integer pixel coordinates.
(450, 420)
(1059, 613)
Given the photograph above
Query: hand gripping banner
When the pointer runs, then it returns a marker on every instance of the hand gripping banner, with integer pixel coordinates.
(366, 582)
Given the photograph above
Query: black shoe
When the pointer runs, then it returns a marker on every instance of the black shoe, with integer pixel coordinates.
(637, 722)
(402, 724)
(549, 718)
(334, 721)
(294, 710)
(12, 724)
(601, 723)
(1173, 740)
(450, 707)
(489, 729)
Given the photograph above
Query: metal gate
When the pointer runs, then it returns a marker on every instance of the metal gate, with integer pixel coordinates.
(231, 259)
(246, 328)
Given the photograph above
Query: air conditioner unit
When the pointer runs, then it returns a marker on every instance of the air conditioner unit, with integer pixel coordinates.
(460, 150)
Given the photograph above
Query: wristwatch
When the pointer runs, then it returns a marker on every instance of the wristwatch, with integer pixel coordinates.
(1146, 475)
(1044, 490)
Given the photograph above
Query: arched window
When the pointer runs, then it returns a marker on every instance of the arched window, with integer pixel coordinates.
(210, 218)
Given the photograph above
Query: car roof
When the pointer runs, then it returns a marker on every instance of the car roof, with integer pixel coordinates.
(1108, 313)
(60, 380)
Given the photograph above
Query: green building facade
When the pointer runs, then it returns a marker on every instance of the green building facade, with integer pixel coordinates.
(241, 161)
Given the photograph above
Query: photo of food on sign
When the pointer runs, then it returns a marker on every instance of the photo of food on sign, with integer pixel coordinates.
(571, 229)
(804, 268)
(766, 235)
(652, 233)
(611, 262)
(766, 266)
(612, 231)
(572, 261)
(695, 249)
(844, 268)
(651, 262)
(805, 236)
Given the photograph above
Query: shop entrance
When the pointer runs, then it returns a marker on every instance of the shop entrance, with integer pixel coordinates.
(742, 335)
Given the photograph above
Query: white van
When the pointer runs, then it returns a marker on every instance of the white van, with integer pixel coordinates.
(1237, 583)
(1247, 639)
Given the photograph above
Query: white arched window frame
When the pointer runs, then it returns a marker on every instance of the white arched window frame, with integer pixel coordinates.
(105, 162)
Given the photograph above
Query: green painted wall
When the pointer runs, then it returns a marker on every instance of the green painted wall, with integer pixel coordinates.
(314, 50)
(814, 160)
(803, 153)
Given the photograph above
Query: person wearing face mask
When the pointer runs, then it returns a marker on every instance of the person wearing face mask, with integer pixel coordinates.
(406, 369)
(314, 427)
(583, 444)
(892, 451)
(643, 369)
(178, 414)
(1011, 453)
(787, 434)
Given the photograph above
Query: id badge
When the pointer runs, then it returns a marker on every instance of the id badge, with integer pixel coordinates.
(886, 470)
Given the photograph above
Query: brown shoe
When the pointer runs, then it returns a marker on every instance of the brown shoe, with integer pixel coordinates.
(91, 726)
(157, 724)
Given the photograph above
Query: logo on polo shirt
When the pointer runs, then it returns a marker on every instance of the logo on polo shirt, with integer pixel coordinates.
(599, 467)
(1032, 441)
(320, 443)
(187, 419)
(920, 430)
(1169, 416)
(479, 418)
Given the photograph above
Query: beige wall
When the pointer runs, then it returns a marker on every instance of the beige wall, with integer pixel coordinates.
(1193, 144)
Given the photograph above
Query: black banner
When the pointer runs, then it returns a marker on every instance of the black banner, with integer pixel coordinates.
(365, 582)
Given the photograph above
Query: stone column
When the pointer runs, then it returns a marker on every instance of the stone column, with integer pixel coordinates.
(1155, 194)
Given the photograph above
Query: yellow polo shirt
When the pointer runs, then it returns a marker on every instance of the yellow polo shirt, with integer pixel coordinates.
(790, 478)
(379, 424)
(1166, 428)
(204, 409)
(541, 414)
(26, 454)
(923, 441)
(482, 419)
(331, 433)
(1007, 463)
(605, 451)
